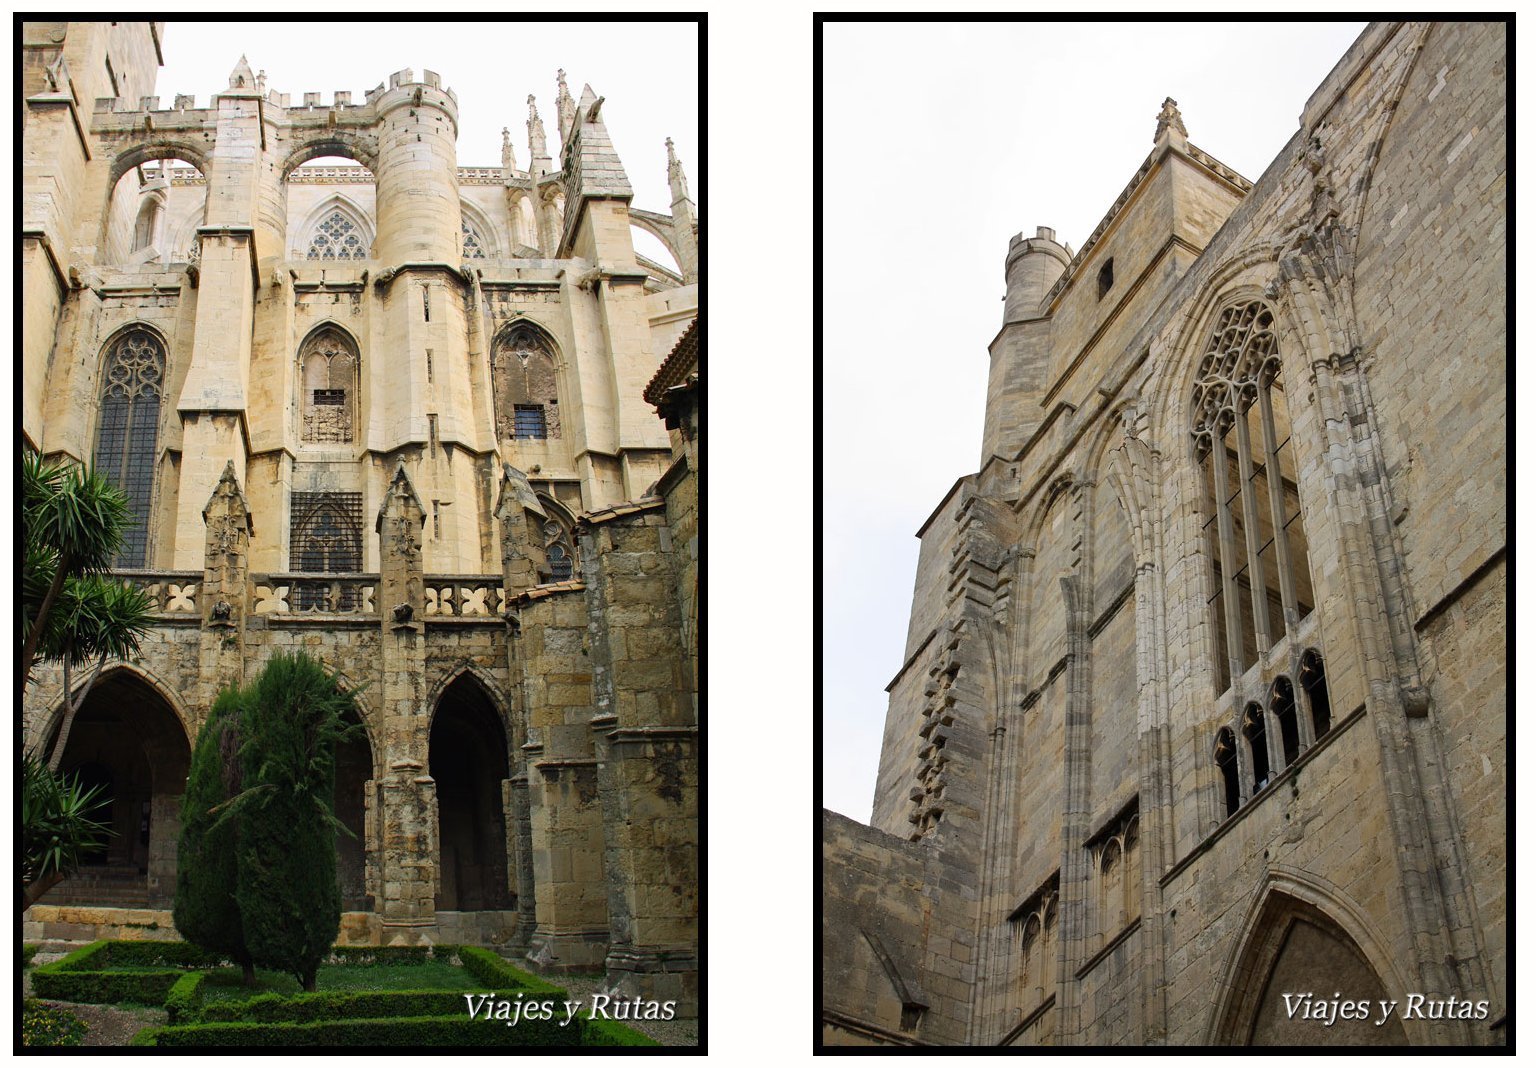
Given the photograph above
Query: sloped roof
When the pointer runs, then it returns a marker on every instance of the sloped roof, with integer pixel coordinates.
(674, 369)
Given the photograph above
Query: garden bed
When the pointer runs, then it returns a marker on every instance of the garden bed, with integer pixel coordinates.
(365, 996)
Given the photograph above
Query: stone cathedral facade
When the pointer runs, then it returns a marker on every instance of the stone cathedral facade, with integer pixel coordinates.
(393, 412)
(1203, 700)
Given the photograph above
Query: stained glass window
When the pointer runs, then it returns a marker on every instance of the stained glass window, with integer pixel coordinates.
(337, 238)
(129, 430)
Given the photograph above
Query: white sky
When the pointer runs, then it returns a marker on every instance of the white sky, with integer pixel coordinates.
(648, 73)
(942, 142)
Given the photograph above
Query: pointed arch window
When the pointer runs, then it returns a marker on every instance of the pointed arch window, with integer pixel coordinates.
(337, 238)
(1315, 684)
(328, 366)
(1282, 702)
(559, 542)
(523, 382)
(127, 434)
(325, 537)
(1226, 764)
(1253, 530)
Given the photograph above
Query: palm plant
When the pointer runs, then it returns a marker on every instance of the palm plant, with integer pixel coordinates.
(57, 828)
(73, 612)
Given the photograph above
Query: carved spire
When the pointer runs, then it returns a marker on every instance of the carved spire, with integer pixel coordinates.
(398, 525)
(508, 156)
(536, 143)
(1169, 119)
(227, 519)
(565, 107)
(675, 176)
(241, 77)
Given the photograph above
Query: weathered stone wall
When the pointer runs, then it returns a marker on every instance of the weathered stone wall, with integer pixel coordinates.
(890, 939)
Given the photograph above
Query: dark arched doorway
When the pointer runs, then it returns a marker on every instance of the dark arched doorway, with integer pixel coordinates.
(127, 739)
(354, 773)
(468, 762)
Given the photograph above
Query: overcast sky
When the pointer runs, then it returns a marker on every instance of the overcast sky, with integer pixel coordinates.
(942, 142)
(648, 73)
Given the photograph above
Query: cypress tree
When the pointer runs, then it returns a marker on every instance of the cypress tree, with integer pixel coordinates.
(286, 888)
(206, 912)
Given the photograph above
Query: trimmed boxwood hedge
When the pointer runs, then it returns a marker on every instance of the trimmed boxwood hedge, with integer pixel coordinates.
(610, 1033)
(492, 970)
(398, 1032)
(336, 1005)
(78, 976)
(184, 1003)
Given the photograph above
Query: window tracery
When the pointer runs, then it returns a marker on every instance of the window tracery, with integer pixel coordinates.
(1242, 437)
(559, 543)
(474, 246)
(128, 431)
(337, 238)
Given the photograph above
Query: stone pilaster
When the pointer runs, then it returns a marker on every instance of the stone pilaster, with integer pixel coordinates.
(565, 815)
(408, 836)
(645, 737)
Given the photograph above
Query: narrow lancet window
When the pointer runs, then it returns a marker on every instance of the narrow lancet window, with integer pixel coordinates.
(129, 430)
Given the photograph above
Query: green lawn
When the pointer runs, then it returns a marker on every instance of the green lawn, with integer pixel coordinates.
(224, 984)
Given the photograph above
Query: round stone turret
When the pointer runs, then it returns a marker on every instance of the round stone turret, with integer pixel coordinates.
(417, 179)
(1032, 268)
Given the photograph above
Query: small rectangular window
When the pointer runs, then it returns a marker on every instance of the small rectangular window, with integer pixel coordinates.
(426, 305)
(528, 421)
(429, 366)
(331, 396)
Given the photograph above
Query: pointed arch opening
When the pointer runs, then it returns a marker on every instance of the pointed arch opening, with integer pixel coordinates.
(1258, 746)
(1315, 683)
(468, 761)
(128, 738)
(1282, 702)
(1225, 757)
(1294, 947)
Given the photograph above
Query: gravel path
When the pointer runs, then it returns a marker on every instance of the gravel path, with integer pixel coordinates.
(667, 1032)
